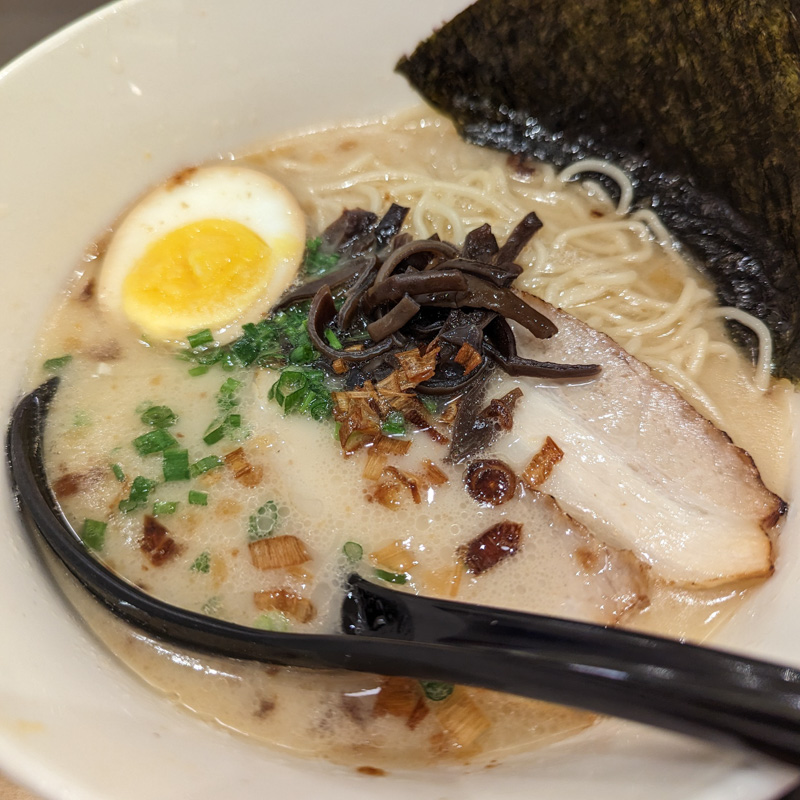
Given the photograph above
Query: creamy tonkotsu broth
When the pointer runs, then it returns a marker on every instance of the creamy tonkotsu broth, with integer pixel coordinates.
(199, 543)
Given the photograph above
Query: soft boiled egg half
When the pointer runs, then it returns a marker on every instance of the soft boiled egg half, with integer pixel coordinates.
(213, 248)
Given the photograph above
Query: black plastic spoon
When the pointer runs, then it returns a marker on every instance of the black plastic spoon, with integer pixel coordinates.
(685, 688)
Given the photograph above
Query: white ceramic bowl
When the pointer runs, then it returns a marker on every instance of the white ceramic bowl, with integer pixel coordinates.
(90, 118)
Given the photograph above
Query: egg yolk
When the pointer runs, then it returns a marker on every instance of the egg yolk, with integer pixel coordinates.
(209, 270)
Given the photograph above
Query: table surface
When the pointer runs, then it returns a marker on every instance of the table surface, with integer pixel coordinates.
(22, 24)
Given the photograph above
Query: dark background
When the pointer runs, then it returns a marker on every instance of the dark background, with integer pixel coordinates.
(25, 22)
(22, 24)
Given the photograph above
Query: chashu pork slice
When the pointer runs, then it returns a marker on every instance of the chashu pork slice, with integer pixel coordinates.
(641, 467)
(561, 569)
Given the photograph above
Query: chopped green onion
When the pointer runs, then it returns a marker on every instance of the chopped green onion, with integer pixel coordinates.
(316, 262)
(118, 472)
(204, 465)
(266, 343)
(159, 417)
(154, 442)
(302, 391)
(140, 489)
(321, 408)
(291, 391)
(93, 534)
(227, 400)
(202, 563)
(272, 621)
(391, 577)
(200, 338)
(245, 350)
(230, 386)
(303, 354)
(212, 606)
(212, 437)
(226, 396)
(436, 690)
(199, 370)
(333, 339)
(289, 384)
(55, 364)
(176, 465)
(163, 507)
(263, 522)
(431, 406)
(81, 419)
(228, 362)
(353, 551)
(394, 424)
(198, 498)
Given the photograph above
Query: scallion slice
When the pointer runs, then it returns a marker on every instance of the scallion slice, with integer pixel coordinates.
(119, 474)
(140, 489)
(353, 551)
(212, 606)
(202, 563)
(163, 507)
(154, 442)
(436, 690)
(159, 417)
(302, 354)
(55, 364)
(204, 465)
(394, 424)
(81, 419)
(263, 522)
(93, 534)
(228, 362)
(333, 339)
(228, 389)
(391, 577)
(200, 338)
(176, 465)
(198, 498)
(317, 262)
(272, 621)
(290, 387)
(431, 406)
(214, 435)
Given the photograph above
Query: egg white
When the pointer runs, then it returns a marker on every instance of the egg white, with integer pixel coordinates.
(227, 192)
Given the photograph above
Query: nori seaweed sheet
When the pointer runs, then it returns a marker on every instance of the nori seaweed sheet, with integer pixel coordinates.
(698, 100)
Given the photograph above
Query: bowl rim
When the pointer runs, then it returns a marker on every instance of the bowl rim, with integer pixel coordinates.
(23, 762)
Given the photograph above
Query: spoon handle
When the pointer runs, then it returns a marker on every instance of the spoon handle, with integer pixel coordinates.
(681, 687)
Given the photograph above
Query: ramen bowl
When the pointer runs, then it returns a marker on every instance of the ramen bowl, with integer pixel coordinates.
(93, 117)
